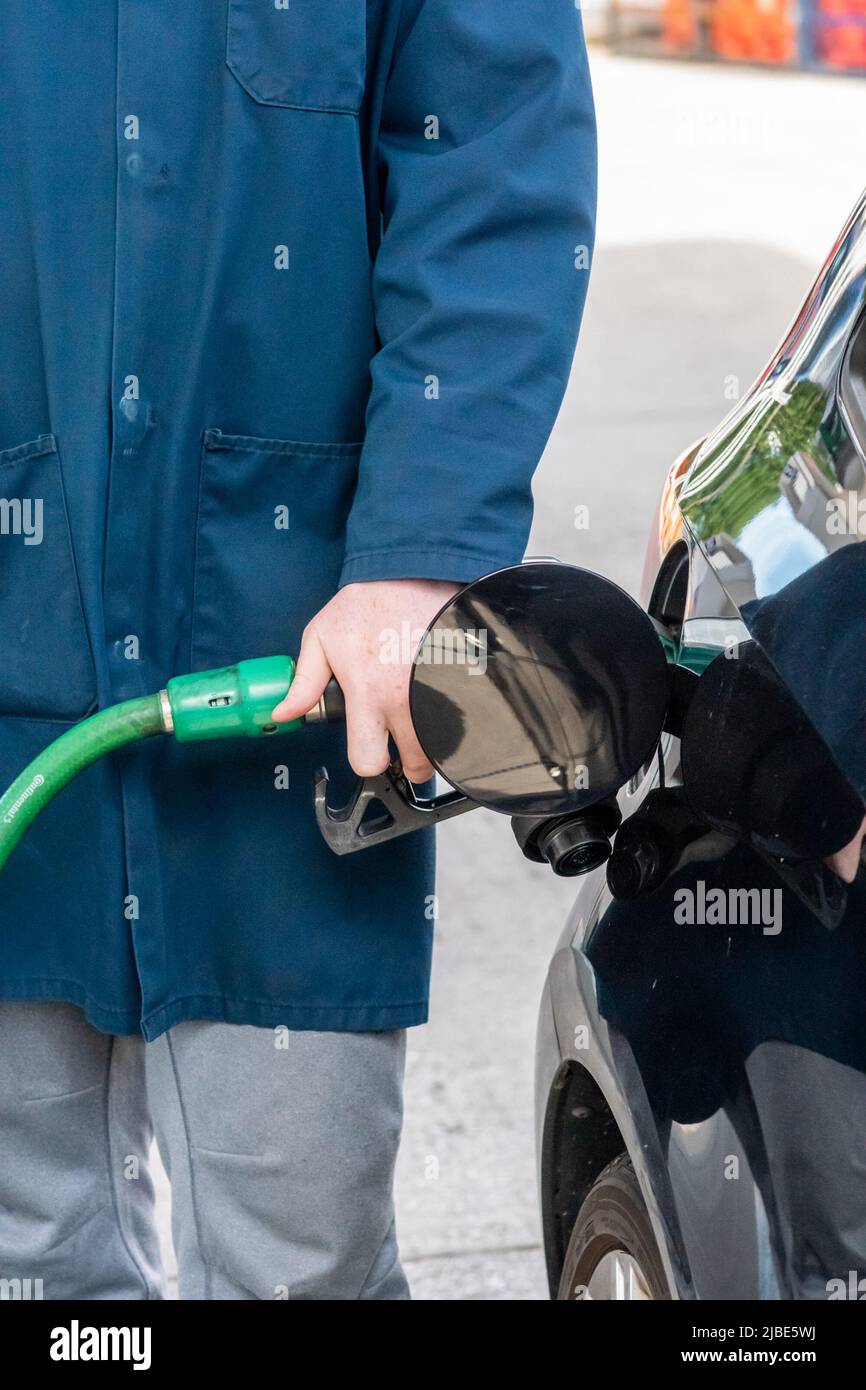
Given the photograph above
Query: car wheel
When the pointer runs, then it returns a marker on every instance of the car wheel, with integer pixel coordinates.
(613, 1253)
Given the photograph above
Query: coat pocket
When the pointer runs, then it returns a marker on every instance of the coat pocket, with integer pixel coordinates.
(270, 542)
(309, 54)
(46, 665)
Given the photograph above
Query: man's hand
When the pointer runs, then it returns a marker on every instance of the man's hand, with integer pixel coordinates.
(366, 637)
(846, 862)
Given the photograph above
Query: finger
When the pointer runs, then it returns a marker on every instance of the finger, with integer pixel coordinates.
(311, 676)
(846, 861)
(367, 734)
(416, 764)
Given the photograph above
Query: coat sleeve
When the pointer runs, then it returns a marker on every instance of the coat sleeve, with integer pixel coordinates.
(486, 151)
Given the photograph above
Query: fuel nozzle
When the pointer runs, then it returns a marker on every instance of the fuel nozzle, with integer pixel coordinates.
(239, 700)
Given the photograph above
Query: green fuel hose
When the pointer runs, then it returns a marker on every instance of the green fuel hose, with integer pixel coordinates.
(234, 701)
(67, 756)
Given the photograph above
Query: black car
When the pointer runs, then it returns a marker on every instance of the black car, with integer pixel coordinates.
(701, 1057)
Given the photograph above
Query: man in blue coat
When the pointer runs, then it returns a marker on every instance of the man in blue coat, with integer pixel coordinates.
(290, 293)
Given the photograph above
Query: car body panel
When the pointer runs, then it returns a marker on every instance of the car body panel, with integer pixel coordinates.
(729, 1060)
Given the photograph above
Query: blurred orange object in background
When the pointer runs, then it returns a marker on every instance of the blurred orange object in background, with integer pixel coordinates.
(760, 30)
(765, 31)
(679, 25)
(841, 7)
(843, 45)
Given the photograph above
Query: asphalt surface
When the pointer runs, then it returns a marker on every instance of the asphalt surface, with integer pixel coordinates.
(721, 192)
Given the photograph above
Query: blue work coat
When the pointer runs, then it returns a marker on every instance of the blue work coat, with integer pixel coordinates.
(290, 291)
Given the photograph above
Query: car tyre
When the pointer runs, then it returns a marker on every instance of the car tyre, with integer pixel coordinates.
(612, 1253)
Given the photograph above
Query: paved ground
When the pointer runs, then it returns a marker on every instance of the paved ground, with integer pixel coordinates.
(721, 192)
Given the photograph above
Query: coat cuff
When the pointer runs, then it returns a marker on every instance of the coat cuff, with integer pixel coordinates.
(458, 566)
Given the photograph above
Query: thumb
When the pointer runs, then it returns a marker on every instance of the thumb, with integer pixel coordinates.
(311, 676)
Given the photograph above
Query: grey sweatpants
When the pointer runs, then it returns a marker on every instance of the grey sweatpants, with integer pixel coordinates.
(280, 1147)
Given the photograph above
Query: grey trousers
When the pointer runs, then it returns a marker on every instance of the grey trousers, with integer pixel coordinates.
(280, 1147)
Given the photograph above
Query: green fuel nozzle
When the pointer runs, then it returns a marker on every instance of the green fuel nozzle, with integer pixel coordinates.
(239, 701)
(234, 701)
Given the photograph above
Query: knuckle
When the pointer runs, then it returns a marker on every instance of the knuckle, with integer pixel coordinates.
(418, 772)
(369, 767)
